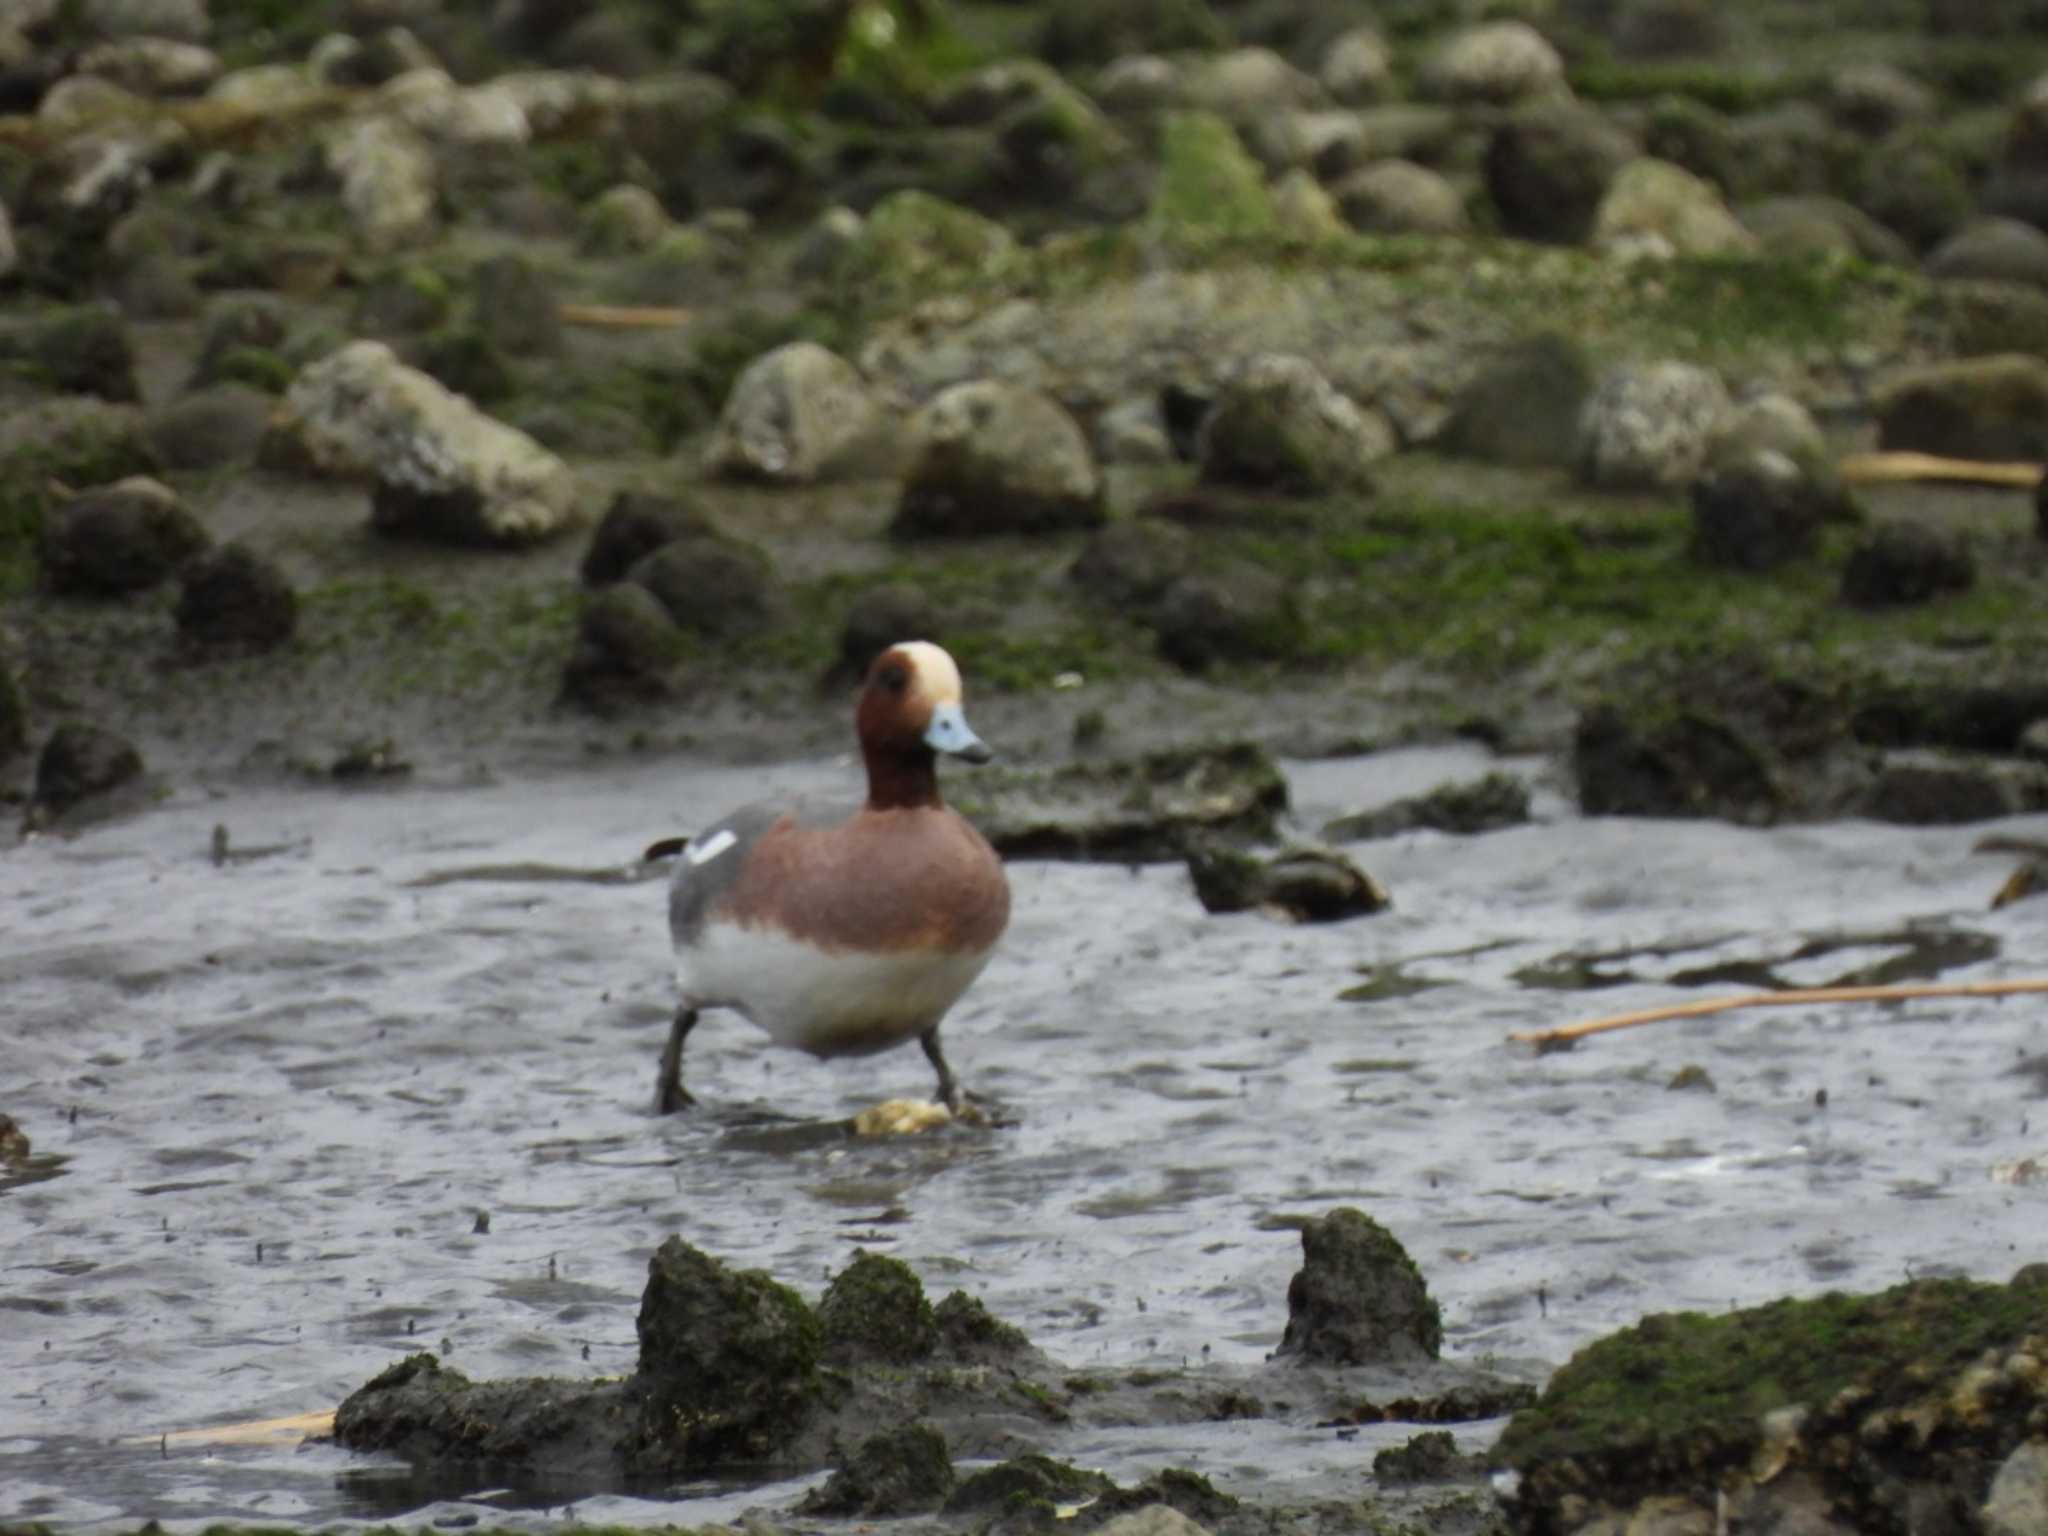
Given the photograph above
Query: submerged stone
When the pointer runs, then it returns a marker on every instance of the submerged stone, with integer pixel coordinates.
(1358, 1299)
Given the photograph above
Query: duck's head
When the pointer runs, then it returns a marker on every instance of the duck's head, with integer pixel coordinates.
(910, 706)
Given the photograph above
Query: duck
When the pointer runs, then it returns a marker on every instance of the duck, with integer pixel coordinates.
(845, 929)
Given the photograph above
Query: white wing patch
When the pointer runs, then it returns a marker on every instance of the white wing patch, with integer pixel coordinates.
(710, 848)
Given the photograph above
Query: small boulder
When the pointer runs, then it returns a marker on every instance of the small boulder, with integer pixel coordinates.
(1649, 426)
(912, 244)
(1357, 67)
(119, 538)
(1209, 185)
(1548, 166)
(1993, 250)
(1244, 84)
(1132, 562)
(875, 1312)
(636, 524)
(79, 762)
(1242, 612)
(1308, 885)
(627, 648)
(237, 600)
(623, 221)
(881, 616)
(1876, 99)
(389, 184)
(1654, 208)
(1976, 408)
(1947, 788)
(991, 457)
(1461, 807)
(516, 309)
(439, 466)
(210, 428)
(153, 66)
(709, 586)
(1358, 1299)
(82, 350)
(1757, 511)
(1523, 406)
(1399, 197)
(1278, 424)
(796, 415)
(1097, 31)
(1497, 63)
(900, 1471)
(1901, 563)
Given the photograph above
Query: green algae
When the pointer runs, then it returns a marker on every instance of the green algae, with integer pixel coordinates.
(875, 1309)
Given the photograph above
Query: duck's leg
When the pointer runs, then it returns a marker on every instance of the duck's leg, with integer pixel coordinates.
(949, 1086)
(669, 1093)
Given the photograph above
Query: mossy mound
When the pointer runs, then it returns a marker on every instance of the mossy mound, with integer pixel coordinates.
(875, 1310)
(1935, 1380)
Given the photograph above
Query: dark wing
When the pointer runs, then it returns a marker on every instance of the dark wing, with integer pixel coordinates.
(714, 858)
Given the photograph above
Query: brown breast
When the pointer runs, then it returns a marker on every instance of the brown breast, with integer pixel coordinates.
(883, 881)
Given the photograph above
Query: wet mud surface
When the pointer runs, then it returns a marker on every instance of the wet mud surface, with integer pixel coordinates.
(270, 1097)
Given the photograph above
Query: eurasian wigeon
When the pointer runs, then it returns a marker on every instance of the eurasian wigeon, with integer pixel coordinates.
(844, 929)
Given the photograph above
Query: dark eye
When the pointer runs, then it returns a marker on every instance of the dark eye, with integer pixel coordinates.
(895, 679)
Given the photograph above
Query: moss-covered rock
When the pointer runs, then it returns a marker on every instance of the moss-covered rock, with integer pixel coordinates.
(1976, 408)
(1522, 406)
(1358, 1298)
(81, 350)
(969, 1331)
(728, 1362)
(1096, 31)
(1026, 1481)
(119, 538)
(1279, 425)
(627, 649)
(1928, 1385)
(635, 525)
(901, 1471)
(1899, 563)
(1309, 885)
(1548, 166)
(1462, 807)
(990, 457)
(713, 587)
(913, 244)
(235, 599)
(875, 1311)
(1209, 185)
(80, 762)
(1238, 611)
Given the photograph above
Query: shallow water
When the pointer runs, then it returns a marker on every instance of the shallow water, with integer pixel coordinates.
(270, 1098)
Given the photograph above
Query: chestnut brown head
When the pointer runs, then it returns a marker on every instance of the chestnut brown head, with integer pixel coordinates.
(910, 709)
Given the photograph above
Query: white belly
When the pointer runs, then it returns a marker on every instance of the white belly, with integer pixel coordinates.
(845, 1004)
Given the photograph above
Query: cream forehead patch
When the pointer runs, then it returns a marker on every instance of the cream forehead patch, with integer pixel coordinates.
(938, 679)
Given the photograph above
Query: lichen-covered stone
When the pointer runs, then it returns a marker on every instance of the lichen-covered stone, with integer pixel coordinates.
(1548, 165)
(1278, 424)
(728, 1362)
(1358, 1298)
(1649, 426)
(389, 183)
(1399, 197)
(875, 1310)
(236, 599)
(796, 415)
(990, 457)
(440, 467)
(119, 538)
(1656, 209)
(900, 1471)
(1497, 62)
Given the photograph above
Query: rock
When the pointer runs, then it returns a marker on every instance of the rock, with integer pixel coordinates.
(119, 538)
(1876, 99)
(1790, 149)
(729, 1360)
(186, 21)
(627, 648)
(1023, 1481)
(79, 762)
(1901, 563)
(1993, 249)
(1667, 29)
(237, 326)
(1523, 406)
(1357, 67)
(1147, 809)
(971, 1334)
(14, 712)
(1133, 431)
(1746, 1401)
(1649, 426)
(665, 119)
(389, 185)
(1242, 612)
(1097, 31)
(210, 428)
(79, 350)
(516, 309)
(1548, 166)
(1279, 425)
(1654, 208)
(1243, 84)
(236, 599)
(709, 586)
(1152, 1520)
(901, 1471)
(1132, 562)
(825, 243)
(1985, 319)
(990, 457)
(1913, 185)
(10, 252)
(1795, 228)
(914, 244)
(1479, 805)
(1756, 512)
(1776, 422)
(795, 416)
(637, 524)
(878, 618)
(1399, 197)
(1308, 885)
(1977, 408)
(623, 221)
(80, 103)
(1303, 210)
(153, 66)
(156, 286)
(1358, 1299)
(1139, 84)
(875, 1312)
(1208, 186)
(1429, 1457)
(1948, 788)
(2017, 1504)
(1174, 1502)
(1498, 62)
(439, 466)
